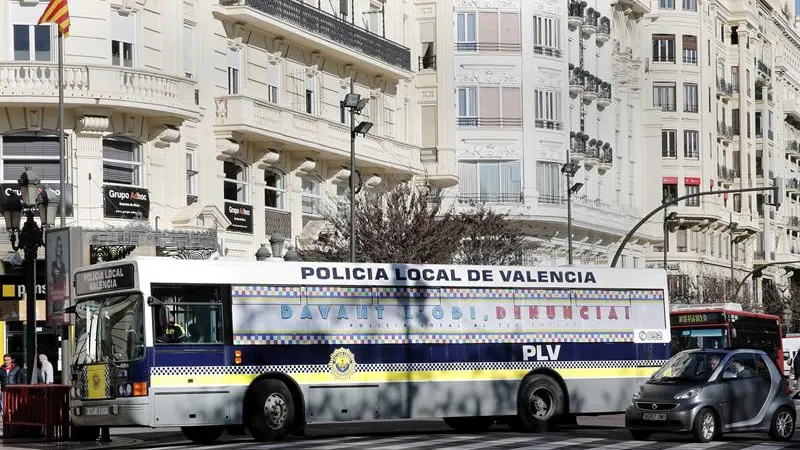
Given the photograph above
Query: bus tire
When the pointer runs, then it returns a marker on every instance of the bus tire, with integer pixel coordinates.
(540, 403)
(202, 435)
(272, 413)
(84, 434)
(469, 424)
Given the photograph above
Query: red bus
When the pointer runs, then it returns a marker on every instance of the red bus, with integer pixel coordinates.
(725, 326)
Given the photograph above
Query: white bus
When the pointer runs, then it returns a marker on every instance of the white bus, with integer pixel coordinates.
(274, 346)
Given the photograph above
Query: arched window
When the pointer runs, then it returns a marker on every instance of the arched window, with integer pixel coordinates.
(235, 181)
(274, 190)
(122, 161)
(311, 188)
(39, 151)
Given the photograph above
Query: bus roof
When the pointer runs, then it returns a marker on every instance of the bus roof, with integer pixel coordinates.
(704, 309)
(170, 270)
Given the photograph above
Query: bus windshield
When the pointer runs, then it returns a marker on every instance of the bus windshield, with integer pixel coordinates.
(704, 337)
(109, 329)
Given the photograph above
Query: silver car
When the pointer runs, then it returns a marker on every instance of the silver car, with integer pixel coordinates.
(711, 392)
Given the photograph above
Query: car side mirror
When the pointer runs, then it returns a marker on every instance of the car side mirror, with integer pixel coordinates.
(728, 375)
(152, 301)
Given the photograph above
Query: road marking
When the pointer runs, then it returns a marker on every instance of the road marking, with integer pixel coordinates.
(435, 441)
(767, 446)
(366, 443)
(558, 444)
(698, 445)
(623, 445)
(489, 444)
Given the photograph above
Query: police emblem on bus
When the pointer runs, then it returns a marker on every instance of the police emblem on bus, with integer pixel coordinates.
(342, 364)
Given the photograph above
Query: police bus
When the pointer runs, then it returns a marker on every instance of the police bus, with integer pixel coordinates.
(272, 347)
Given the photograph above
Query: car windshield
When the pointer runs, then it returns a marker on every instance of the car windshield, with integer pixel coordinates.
(109, 329)
(688, 367)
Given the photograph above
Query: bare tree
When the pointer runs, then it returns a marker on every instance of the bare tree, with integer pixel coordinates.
(490, 238)
(404, 226)
(793, 305)
(772, 301)
(704, 289)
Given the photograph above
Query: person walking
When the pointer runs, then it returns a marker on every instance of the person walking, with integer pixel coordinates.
(43, 372)
(10, 373)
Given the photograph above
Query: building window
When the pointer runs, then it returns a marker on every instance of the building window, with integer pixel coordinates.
(546, 36)
(490, 181)
(691, 144)
(735, 78)
(32, 43)
(548, 109)
(664, 96)
(692, 189)
(235, 184)
(234, 69)
(690, 5)
(188, 51)
(121, 53)
(311, 198)
(664, 48)
(669, 190)
(668, 144)
(233, 81)
(191, 179)
(123, 39)
(274, 190)
(467, 107)
(466, 32)
(666, 4)
(690, 49)
(550, 182)
(690, 97)
(310, 95)
(122, 162)
(273, 83)
(39, 152)
(770, 124)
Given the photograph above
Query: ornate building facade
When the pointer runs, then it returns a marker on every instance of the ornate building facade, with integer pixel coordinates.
(539, 84)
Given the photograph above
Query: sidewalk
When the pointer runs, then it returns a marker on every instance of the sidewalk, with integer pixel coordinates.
(120, 438)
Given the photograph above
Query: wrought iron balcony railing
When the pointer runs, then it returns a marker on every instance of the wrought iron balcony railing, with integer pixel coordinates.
(427, 62)
(321, 23)
(490, 197)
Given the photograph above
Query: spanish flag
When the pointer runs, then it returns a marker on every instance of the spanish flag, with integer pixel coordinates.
(57, 12)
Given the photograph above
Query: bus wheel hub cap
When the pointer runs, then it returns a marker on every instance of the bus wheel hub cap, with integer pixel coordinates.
(275, 411)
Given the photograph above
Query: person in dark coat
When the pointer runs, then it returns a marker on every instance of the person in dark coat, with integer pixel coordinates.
(10, 373)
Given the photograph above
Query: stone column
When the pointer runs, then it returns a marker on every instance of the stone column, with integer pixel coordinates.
(88, 169)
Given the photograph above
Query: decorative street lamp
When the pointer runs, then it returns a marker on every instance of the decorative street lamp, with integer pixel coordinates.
(355, 104)
(29, 238)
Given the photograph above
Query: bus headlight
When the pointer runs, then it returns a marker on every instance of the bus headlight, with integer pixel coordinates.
(124, 390)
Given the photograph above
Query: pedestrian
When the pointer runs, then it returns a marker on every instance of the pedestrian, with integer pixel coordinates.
(10, 373)
(43, 372)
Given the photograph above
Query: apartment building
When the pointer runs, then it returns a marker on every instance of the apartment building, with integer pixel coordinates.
(722, 76)
(223, 114)
(539, 84)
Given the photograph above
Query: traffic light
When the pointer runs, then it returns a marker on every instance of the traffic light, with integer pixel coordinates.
(778, 192)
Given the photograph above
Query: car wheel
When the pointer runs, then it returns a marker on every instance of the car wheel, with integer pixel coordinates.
(782, 428)
(705, 425)
(640, 435)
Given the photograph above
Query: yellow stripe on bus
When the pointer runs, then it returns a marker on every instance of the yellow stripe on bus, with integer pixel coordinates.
(399, 377)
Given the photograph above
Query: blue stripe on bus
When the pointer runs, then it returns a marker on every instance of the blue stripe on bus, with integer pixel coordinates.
(183, 356)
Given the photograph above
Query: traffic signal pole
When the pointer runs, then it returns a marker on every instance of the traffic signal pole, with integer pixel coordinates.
(776, 198)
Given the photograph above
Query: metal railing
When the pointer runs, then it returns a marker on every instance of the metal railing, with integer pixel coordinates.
(547, 51)
(514, 122)
(548, 124)
(278, 222)
(488, 47)
(321, 23)
(427, 62)
(491, 197)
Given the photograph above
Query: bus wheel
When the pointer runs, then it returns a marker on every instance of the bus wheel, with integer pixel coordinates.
(272, 413)
(540, 403)
(202, 435)
(471, 424)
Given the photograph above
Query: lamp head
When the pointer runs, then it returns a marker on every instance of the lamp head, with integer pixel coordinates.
(575, 188)
(363, 128)
(351, 100)
(361, 105)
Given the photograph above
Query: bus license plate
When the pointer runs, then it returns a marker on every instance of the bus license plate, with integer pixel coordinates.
(95, 410)
(654, 416)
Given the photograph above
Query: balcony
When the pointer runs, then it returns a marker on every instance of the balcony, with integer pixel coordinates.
(137, 91)
(254, 120)
(493, 122)
(427, 63)
(316, 29)
(724, 90)
(490, 197)
(792, 149)
(764, 69)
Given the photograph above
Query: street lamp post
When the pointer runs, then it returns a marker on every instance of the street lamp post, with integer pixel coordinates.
(29, 238)
(355, 104)
(570, 169)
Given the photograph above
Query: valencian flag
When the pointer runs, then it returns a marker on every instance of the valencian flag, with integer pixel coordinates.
(57, 12)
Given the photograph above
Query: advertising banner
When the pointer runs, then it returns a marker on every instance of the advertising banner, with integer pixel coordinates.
(241, 217)
(126, 202)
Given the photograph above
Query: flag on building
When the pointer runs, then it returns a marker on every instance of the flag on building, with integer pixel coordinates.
(57, 12)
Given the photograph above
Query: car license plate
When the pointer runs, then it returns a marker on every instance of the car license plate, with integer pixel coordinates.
(95, 410)
(654, 416)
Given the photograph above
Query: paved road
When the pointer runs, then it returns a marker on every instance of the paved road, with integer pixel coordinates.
(601, 433)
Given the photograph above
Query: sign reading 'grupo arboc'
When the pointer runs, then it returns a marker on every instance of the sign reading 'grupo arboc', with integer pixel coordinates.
(126, 202)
